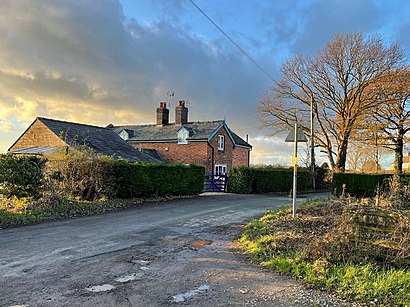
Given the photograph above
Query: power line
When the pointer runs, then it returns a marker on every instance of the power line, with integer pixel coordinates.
(233, 42)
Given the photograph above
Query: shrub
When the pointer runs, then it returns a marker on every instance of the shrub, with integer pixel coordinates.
(81, 174)
(241, 180)
(142, 179)
(86, 176)
(361, 185)
(247, 180)
(280, 180)
(20, 176)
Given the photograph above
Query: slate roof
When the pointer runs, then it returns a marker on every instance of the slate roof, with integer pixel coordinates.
(102, 140)
(36, 150)
(198, 131)
(238, 140)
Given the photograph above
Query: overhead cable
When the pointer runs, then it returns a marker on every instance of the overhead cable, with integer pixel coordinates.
(233, 42)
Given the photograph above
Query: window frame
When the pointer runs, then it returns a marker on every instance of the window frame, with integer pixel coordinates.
(182, 136)
(124, 135)
(221, 142)
(220, 169)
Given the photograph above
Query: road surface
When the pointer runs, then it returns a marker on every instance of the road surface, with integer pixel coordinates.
(180, 252)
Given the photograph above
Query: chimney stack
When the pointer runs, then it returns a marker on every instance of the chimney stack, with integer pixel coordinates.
(181, 113)
(162, 114)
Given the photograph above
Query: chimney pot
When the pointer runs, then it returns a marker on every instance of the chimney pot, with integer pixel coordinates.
(162, 114)
(181, 113)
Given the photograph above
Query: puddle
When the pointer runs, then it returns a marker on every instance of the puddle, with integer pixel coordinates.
(101, 288)
(181, 297)
(144, 268)
(201, 243)
(19, 306)
(142, 262)
(131, 277)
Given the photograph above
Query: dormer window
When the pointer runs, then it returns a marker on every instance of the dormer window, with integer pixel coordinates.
(124, 135)
(221, 142)
(183, 135)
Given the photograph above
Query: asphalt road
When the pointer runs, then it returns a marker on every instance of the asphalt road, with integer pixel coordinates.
(156, 254)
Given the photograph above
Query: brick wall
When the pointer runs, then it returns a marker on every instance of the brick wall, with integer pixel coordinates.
(200, 153)
(38, 135)
(191, 153)
(225, 156)
(240, 156)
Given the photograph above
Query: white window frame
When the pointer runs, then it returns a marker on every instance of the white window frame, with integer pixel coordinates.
(220, 169)
(124, 135)
(183, 134)
(221, 142)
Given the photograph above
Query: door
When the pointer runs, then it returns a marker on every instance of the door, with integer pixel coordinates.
(220, 169)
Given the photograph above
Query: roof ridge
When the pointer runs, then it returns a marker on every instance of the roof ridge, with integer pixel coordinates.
(169, 124)
(68, 122)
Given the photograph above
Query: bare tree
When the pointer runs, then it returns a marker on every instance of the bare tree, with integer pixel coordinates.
(334, 84)
(361, 152)
(393, 111)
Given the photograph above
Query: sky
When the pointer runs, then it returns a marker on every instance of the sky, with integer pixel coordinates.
(112, 61)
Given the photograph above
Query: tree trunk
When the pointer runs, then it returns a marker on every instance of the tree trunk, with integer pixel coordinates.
(398, 151)
(342, 154)
(330, 157)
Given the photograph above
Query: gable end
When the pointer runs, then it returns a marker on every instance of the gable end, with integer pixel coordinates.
(37, 134)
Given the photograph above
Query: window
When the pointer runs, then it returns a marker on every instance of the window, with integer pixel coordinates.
(220, 169)
(183, 134)
(124, 135)
(221, 142)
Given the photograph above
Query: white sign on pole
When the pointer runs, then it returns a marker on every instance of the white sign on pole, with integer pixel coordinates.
(298, 135)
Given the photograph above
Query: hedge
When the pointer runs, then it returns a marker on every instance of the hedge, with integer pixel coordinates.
(247, 180)
(20, 176)
(143, 179)
(361, 185)
(88, 177)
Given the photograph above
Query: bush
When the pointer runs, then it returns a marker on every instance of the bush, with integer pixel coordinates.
(81, 174)
(247, 180)
(280, 180)
(88, 177)
(143, 179)
(241, 180)
(20, 176)
(361, 185)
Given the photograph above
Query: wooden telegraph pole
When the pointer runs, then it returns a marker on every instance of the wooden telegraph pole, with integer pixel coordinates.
(312, 146)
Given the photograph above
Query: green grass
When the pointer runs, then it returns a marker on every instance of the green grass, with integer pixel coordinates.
(63, 209)
(368, 283)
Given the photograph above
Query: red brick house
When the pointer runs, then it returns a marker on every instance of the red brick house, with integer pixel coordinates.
(208, 143)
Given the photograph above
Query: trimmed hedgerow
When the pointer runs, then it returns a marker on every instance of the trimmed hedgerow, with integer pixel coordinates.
(280, 180)
(85, 176)
(247, 180)
(143, 179)
(361, 185)
(241, 180)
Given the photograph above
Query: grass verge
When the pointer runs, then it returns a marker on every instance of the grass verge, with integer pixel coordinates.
(23, 214)
(279, 242)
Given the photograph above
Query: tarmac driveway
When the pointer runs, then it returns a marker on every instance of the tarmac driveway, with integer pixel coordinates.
(180, 252)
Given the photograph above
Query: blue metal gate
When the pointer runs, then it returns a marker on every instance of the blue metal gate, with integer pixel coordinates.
(215, 183)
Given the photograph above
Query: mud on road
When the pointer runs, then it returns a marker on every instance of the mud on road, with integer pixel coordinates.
(171, 266)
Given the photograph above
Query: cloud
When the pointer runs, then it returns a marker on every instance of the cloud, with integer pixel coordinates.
(77, 61)
(99, 64)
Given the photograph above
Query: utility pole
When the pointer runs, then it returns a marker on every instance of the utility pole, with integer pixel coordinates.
(312, 146)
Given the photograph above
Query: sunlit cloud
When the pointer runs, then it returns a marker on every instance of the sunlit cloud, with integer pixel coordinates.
(101, 64)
